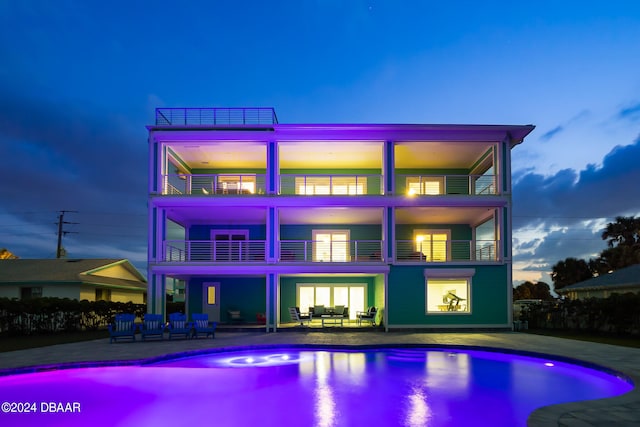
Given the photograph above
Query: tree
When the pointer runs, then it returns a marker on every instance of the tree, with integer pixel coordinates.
(529, 290)
(623, 241)
(570, 271)
(624, 232)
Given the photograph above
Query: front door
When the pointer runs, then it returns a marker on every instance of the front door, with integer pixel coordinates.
(211, 300)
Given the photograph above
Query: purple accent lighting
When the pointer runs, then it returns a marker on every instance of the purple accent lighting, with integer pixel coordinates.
(285, 386)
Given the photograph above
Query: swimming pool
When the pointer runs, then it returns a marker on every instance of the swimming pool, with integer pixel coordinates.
(307, 387)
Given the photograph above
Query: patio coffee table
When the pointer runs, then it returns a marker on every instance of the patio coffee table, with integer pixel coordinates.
(332, 318)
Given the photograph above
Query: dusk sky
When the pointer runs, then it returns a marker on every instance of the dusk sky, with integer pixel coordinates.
(79, 80)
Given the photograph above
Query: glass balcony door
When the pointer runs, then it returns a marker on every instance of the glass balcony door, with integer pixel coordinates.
(229, 245)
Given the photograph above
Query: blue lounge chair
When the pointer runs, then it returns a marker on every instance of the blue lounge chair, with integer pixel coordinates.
(152, 326)
(123, 327)
(201, 325)
(178, 325)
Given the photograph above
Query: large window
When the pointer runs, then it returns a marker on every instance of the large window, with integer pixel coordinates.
(330, 295)
(433, 244)
(331, 246)
(325, 185)
(448, 291)
(425, 185)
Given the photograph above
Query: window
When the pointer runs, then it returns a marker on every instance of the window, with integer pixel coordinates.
(330, 295)
(325, 185)
(103, 294)
(425, 185)
(433, 244)
(331, 246)
(211, 295)
(34, 292)
(229, 245)
(486, 241)
(236, 184)
(448, 291)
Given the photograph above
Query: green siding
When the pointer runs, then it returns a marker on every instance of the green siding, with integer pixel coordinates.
(458, 231)
(406, 299)
(211, 171)
(332, 171)
(288, 289)
(247, 294)
(203, 232)
(356, 232)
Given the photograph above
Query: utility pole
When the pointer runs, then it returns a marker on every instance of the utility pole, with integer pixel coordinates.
(61, 222)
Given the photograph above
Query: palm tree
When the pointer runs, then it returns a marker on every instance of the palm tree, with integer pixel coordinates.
(624, 232)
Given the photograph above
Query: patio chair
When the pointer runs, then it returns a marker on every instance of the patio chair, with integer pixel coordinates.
(178, 325)
(367, 316)
(298, 317)
(123, 327)
(201, 326)
(152, 326)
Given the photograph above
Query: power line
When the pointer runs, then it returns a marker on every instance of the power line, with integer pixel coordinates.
(61, 223)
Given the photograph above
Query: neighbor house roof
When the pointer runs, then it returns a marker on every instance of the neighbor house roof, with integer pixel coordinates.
(95, 271)
(628, 277)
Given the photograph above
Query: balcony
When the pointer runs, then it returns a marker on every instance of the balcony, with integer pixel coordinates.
(215, 116)
(446, 251)
(239, 251)
(213, 184)
(331, 185)
(446, 184)
(336, 251)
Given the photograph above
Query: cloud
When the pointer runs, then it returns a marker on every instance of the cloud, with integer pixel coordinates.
(551, 133)
(563, 215)
(62, 157)
(632, 112)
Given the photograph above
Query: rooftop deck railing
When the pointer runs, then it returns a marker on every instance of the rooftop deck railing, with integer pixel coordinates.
(213, 184)
(319, 184)
(337, 251)
(237, 251)
(447, 251)
(215, 116)
(446, 184)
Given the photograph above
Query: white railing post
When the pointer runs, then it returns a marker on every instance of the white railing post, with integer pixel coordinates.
(355, 250)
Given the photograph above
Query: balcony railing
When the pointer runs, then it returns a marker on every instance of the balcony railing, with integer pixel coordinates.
(213, 184)
(330, 184)
(237, 251)
(215, 116)
(336, 251)
(447, 251)
(446, 184)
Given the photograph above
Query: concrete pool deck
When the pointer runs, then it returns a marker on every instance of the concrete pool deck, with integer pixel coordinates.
(622, 410)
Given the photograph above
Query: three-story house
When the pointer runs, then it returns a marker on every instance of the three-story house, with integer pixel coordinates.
(249, 214)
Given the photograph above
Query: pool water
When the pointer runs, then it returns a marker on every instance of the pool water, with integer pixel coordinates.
(376, 387)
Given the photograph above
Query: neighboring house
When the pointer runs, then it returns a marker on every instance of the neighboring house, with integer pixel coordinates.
(620, 281)
(80, 279)
(252, 215)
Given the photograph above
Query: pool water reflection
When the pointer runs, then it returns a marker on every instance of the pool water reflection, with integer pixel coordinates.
(404, 387)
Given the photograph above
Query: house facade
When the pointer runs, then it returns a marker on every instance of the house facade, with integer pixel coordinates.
(80, 279)
(617, 282)
(249, 214)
